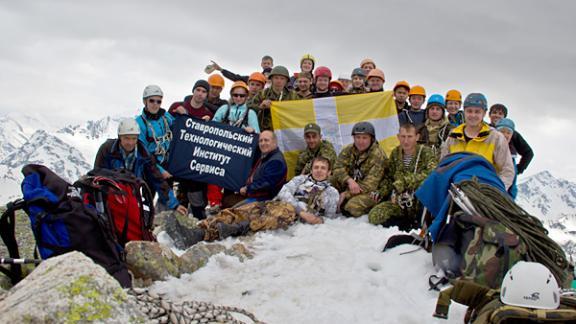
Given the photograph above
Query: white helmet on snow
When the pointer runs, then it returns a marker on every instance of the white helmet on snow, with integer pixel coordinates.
(152, 90)
(128, 126)
(530, 284)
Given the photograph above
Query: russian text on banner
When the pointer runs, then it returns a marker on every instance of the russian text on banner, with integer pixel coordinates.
(211, 152)
(336, 116)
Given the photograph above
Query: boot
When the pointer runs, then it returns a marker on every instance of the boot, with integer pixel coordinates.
(182, 236)
(225, 230)
(198, 212)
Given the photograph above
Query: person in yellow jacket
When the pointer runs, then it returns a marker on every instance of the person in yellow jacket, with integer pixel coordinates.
(478, 137)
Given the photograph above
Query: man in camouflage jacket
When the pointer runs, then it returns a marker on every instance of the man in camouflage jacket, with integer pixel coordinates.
(277, 92)
(358, 171)
(315, 146)
(409, 164)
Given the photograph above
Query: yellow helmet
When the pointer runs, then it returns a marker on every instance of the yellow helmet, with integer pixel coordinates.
(308, 57)
(453, 95)
(239, 84)
(404, 84)
(417, 90)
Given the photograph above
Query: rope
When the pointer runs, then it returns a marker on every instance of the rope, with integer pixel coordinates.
(160, 310)
(493, 204)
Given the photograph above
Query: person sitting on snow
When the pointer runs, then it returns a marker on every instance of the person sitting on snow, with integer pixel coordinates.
(127, 152)
(358, 171)
(409, 164)
(311, 194)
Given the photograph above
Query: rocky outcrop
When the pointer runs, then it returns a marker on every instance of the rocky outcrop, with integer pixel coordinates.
(69, 288)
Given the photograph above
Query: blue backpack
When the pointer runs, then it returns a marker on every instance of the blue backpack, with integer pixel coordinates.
(61, 223)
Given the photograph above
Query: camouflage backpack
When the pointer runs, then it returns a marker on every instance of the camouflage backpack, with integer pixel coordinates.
(493, 250)
(484, 306)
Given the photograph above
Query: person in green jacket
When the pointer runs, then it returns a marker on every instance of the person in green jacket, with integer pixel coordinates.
(315, 146)
(410, 163)
(358, 171)
(261, 102)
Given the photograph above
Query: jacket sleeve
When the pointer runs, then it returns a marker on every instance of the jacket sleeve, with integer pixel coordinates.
(330, 198)
(503, 160)
(233, 76)
(165, 193)
(287, 192)
(524, 150)
(253, 120)
(372, 179)
(340, 173)
(100, 161)
(255, 102)
(299, 164)
(272, 174)
(219, 115)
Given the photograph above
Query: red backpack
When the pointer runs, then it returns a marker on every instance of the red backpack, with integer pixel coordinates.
(125, 199)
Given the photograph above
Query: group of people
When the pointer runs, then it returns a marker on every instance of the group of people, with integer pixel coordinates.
(360, 180)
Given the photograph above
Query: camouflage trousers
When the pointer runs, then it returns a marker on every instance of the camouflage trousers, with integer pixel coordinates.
(264, 215)
(358, 205)
(390, 214)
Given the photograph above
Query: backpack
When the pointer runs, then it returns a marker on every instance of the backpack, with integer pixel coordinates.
(61, 223)
(493, 250)
(484, 306)
(124, 198)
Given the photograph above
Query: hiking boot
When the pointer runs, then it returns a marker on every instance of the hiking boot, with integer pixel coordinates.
(182, 236)
(213, 210)
(225, 230)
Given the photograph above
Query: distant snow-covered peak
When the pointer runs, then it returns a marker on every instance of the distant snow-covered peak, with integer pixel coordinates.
(547, 197)
(12, 136)
(94, 129)
(46, 149)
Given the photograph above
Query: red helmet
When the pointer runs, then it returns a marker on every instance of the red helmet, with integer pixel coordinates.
(323, 71)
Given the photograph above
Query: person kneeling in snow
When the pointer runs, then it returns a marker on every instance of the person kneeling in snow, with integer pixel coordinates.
(312, 195)
(410, 163)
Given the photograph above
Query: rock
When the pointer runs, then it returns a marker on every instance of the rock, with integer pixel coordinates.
(239, 250)
(69, 288)
(197, 256)
(151, 261)
(178, 227)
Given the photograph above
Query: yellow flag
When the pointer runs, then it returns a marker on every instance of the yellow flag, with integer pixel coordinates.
(336, 116)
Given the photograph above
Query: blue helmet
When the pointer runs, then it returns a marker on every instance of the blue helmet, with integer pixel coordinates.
(476, 100)
(436, 99)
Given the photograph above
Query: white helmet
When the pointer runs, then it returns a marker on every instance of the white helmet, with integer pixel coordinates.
(128, 126)
(530, 284)
(152, 90)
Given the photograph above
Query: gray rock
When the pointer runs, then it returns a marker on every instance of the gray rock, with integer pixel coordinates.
(69, 288)
(198, 255)
(151, 261)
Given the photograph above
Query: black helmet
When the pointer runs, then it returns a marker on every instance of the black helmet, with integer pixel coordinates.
(364, 128)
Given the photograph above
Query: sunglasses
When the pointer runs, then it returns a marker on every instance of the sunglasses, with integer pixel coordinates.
(155, 101)
(241, 95)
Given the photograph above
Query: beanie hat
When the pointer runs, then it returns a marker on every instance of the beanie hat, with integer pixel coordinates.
(476, 100)
(201, 83)
(505, 123)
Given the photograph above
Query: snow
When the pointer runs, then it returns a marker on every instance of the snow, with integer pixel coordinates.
(329, 273)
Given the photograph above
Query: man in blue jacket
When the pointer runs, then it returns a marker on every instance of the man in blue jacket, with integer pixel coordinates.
(127, 152)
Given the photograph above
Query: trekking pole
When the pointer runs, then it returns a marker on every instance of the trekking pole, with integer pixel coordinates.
(19, 261)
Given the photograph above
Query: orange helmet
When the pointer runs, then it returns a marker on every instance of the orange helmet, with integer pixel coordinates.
(337, 84)
(216, 80)
(366, 61)
(417, 90)
(404, 84)
(376, 73)
(239, 84)
(257, 76)
(453, 95)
